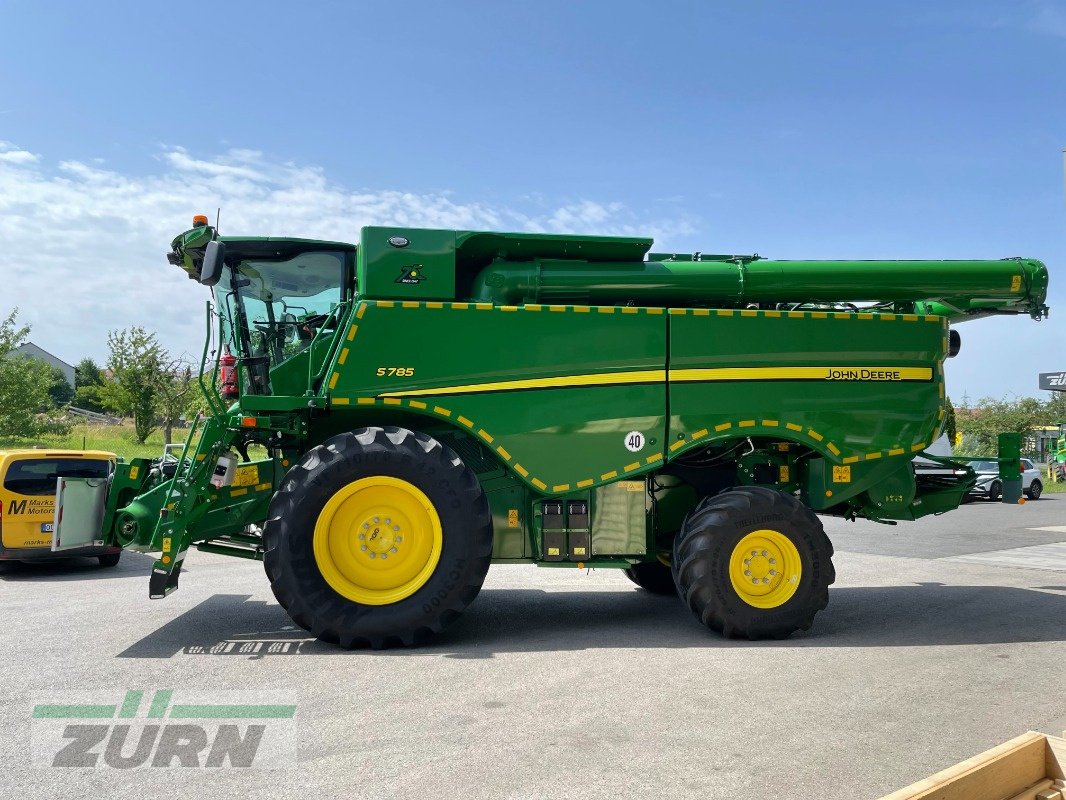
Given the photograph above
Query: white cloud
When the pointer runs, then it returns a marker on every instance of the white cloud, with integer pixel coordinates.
(9, 154)
(84, 246)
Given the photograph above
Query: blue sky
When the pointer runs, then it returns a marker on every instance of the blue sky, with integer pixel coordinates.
(795, 130)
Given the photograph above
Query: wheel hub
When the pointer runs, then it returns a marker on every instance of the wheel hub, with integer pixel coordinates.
(765, 568)
(378, 540)
(380, 535)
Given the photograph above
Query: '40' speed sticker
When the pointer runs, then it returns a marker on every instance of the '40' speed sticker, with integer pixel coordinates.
(634, 441)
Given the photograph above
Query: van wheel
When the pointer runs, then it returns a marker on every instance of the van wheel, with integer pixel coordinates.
(380, 537)
(753, 562)
(109, 560)
(1034, 490)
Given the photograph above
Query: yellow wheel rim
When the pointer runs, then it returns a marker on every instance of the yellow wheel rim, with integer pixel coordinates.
(378, 540)
(765, 569)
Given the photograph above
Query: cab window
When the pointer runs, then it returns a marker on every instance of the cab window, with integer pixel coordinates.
(37, 476)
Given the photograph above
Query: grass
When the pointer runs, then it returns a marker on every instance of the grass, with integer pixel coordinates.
(118, 439)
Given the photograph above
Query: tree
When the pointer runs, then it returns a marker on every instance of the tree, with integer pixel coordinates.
(991, 417)
(26, 410)
(88, 386)
(60, 392)
(173, 385)
(950, 425)
(1056, 408)
(135, 360)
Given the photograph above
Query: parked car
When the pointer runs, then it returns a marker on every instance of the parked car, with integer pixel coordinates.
(27, 501)
(990, 486)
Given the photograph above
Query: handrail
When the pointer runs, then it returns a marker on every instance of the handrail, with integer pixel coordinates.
(215, 405)
(313, 377)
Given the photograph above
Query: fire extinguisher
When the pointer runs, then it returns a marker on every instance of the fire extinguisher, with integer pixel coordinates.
(227, 372)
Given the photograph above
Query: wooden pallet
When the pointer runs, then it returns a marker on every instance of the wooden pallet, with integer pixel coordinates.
(1030, 767)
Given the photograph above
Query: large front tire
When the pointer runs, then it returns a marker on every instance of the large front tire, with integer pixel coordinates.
(356, 501)
(753, 563)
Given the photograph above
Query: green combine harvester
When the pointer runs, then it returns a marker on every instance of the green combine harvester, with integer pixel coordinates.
(390, 418)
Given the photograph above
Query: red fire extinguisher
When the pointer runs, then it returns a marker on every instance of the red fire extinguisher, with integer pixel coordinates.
(227, 373)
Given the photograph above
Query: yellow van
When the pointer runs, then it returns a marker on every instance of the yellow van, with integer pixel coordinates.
(27, 501)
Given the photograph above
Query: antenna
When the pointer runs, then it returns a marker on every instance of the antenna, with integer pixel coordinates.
(218, 214)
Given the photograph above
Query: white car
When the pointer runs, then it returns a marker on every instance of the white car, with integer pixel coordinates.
(990, 486)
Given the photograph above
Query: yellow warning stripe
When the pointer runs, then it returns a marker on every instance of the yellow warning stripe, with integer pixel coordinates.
(490, 439)
(829, 373)
(867, 374)
(771, 426)
(562, 381)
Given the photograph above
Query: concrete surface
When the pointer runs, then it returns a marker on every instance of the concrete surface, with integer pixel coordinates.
(558, 683)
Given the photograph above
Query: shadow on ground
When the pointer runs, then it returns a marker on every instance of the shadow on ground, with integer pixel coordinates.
(131, 565)
(523, 620)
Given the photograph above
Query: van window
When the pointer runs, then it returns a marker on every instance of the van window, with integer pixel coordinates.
(37, 476)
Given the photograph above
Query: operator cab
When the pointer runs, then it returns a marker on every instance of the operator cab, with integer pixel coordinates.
(276, 298)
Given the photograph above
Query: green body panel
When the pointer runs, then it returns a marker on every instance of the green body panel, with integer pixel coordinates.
(425, 270)
(492, 370)
(785, 374)
(554, 438)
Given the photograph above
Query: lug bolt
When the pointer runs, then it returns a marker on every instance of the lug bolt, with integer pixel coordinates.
(773, 560)
(377, 520)
(388, 520)
(747, 573)
(362, 535)
(765, 580)
(366, 526)
(384, 556)
(399, 539)
(754, 580)
(747, 562)
(755, 552)
(773, 572)
(396, 527)
(373, 555)
(394, 550)
(362, 547)
(764, 554)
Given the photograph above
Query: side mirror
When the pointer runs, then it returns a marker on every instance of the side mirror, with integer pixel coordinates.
(214, 260)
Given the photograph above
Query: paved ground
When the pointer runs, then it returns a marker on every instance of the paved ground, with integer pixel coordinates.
(565, 684)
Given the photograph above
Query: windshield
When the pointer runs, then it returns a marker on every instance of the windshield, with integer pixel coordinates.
(272, 309)
(986, 466)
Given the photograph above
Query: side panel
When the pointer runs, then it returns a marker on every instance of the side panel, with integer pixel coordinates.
(854, 386)
(554, 391)
(424, 267)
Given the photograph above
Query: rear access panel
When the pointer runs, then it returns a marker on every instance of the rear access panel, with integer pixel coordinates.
(620, 519)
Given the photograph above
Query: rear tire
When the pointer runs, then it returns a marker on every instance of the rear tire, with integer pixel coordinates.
(759, 535)
(448, 531)
(1034, 490)
(653, 577)
(995, 490)
(109, 560)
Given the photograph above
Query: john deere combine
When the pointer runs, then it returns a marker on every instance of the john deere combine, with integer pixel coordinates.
(389, 419)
